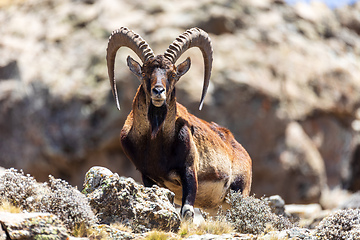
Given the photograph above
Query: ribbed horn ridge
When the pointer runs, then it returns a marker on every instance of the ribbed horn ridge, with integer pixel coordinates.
(194, 37)
(123, 37)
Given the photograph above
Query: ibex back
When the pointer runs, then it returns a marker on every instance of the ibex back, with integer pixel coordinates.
(199, 161)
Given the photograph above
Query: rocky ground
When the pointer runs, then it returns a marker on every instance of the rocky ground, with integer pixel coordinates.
(285, 81)
(113, 207)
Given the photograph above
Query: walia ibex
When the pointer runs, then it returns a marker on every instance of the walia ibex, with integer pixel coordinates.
(199, 161)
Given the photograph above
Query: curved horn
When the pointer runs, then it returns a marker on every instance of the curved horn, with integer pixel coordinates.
(124, 37)
(194, 37)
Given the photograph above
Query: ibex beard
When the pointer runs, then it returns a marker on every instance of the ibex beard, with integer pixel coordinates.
(199, 161)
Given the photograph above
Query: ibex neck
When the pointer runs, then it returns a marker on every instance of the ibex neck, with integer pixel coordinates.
(151, 120)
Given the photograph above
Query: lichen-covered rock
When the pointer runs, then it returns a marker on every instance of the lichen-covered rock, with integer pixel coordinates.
(94, 177)
(32, 226)
(292, 233)
(118, 199)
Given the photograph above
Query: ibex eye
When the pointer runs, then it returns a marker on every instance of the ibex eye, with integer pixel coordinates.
(173, 75)
(143, 74)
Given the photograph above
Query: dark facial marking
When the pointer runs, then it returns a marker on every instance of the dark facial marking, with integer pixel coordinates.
(156, 116)
(238, 184)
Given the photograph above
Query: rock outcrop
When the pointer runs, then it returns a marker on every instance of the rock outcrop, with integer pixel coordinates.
(118, 199)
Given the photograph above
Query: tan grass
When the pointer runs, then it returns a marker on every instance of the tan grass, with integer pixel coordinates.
(160, 235)
(121, 227)
(82, 230)
(7, 3)
(207, 227)
(6, 206)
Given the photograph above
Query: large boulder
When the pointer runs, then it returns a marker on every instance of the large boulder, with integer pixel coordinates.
(119, 199)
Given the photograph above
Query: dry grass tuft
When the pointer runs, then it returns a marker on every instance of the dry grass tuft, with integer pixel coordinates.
(83, 230)
(216, 227)
(121, 227)
(160, 235)
(6, 206)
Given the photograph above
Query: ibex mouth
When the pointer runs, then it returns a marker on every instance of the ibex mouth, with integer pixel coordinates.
(157, 102)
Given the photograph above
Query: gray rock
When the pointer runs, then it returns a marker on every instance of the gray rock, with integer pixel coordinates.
(305, 167)
(32, 226)
(293, 233)
(352, 202)
(349, 16)
(300, 233)
(119, 199)
(221, 237)
(277, 204)
(351, 178)
(95, 177)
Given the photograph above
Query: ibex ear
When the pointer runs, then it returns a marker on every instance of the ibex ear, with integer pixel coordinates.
(183, 67)
(134, 66)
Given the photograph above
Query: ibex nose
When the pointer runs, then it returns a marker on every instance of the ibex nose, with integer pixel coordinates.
(158, 90)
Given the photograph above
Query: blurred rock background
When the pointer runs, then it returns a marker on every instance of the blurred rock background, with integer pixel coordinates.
(285, 81)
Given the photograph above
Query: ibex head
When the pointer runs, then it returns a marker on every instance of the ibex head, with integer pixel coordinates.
(158, 77)
(158, 74)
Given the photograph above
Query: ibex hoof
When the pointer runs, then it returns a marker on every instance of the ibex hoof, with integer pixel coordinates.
(187, 213)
